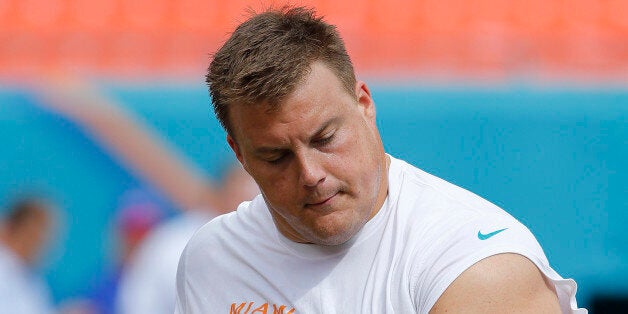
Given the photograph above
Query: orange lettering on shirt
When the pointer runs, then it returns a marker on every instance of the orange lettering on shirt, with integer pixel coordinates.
(236, 310)
(261, 309)
(278, 310)
(248, 308)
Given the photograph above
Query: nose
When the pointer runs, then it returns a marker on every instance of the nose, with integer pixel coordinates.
(311, 171)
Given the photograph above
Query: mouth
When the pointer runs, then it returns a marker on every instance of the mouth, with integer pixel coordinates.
(320, 202)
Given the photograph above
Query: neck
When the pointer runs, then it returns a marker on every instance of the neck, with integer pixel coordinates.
(383, 187)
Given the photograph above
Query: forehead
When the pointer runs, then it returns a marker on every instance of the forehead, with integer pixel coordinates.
(319, 96)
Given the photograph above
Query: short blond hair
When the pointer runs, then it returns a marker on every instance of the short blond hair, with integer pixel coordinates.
(269, 54)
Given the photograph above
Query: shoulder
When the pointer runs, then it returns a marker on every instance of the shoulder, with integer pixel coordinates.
(175, 231)
(219, 251)
(446, 215)
(249, 215)
(437, 192)
(228, 234)
(435, 211)
(451, 246)
(498, 284)
(451, 229)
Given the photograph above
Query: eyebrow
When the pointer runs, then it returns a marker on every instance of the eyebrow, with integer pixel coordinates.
(321, 129)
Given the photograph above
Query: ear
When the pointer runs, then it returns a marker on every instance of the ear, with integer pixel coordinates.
(365, 101)
(236, 150)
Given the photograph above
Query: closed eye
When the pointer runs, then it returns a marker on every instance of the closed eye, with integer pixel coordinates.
(324, 141)
(276, 159)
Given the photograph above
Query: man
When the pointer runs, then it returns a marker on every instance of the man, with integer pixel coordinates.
(23, 232)
(340, 226)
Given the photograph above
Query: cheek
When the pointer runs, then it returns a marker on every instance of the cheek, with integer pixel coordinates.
(358, 157)
(277, 188)
(364, 166)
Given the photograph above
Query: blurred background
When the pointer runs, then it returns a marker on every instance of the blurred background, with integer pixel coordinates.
(103, 113)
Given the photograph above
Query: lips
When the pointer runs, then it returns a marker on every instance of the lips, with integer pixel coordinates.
(320, 202)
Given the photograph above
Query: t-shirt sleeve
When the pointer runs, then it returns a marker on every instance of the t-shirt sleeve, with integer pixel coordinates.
(473, 241)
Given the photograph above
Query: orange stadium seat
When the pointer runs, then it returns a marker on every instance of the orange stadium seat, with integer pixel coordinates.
(168, 37)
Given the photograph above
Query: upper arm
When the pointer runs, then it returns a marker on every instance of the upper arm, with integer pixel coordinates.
(497, 284)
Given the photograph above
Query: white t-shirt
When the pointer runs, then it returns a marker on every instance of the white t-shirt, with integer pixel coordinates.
(21, 291)
(425, 235)
(147, 285)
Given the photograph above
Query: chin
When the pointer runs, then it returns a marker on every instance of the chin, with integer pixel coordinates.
(331, 241)
(335, 236)
(334, 240)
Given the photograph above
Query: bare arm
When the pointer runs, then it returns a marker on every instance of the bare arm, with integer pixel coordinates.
(503, 283)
